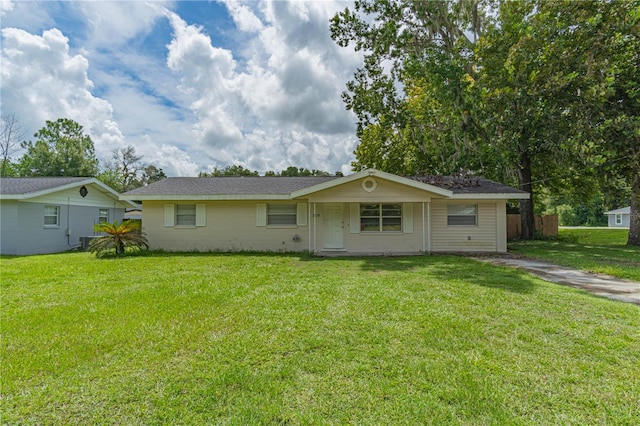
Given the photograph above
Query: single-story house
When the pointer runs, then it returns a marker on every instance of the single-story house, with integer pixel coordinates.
(366, 213)
(619, 218)
(51, 214)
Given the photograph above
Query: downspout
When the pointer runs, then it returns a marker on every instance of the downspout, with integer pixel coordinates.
(68, 231)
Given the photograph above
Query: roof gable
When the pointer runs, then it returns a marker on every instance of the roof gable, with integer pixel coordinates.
(372, 173)
(32, 187)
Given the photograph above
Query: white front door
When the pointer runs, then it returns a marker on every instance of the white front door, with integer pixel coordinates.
(333, 226)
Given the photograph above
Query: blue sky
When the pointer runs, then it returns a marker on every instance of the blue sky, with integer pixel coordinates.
(191, 85)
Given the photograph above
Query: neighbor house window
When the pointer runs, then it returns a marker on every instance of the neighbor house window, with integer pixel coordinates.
(103, 215)
(185, 214)
(51, 216)
(462, 214)
(618, 219)
(381, 217)
(281, 214)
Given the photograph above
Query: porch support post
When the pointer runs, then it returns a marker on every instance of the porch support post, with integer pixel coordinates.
(424, 244)
(315, 235)
(429, 228)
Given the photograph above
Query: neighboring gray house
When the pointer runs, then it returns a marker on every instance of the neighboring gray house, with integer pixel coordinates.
(50, 214)
(619, 218)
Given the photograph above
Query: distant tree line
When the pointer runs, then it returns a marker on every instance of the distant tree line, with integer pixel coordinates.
(238, 170)
(61, 148)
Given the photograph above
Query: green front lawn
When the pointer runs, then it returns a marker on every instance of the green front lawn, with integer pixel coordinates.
(268, 339)
(594, 250)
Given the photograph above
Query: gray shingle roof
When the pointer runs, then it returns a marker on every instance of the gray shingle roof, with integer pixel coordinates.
(17, 186)
(467, 184)
(281, 185)
(268, 185)
(623, 210)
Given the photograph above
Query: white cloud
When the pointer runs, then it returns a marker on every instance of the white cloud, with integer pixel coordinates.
(42, 81)
(269, 99)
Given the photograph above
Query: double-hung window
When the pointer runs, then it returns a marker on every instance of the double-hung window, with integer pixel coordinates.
(281, 214)
(618, 219)
(381, 217)
(185, 214)
(51, 216)
(462, 214)
(103, 215)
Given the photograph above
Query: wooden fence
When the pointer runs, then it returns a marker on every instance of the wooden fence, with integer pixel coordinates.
(546, 225)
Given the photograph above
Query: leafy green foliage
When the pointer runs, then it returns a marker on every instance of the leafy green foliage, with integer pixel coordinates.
(235, 170)
(61, 149)
(119, 238)
(545, 93)
(125, 171)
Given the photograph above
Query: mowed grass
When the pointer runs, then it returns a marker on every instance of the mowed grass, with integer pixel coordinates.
(276, 339)
(590, 249)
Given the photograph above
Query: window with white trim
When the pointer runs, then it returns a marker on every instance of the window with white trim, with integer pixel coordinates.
(185, 215)
(281, 214)
(618, 219)
(103, 215)
(51, 216)
(382, 217)
(462, 214)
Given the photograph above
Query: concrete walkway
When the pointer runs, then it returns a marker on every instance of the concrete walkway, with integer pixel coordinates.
(599, 284)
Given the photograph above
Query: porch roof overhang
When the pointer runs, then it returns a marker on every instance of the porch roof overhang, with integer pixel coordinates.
(371, 173)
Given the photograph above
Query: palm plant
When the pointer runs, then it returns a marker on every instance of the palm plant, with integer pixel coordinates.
(118, 237)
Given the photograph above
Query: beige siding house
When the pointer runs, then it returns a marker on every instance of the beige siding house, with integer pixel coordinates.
(367, 213)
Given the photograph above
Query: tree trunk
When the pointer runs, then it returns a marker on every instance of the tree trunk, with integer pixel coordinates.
(634, 222)
(527, 219)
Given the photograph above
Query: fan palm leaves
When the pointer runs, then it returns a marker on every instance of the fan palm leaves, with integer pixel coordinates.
(118, 237)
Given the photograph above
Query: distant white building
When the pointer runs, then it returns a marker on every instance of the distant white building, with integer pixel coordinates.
(619, 218)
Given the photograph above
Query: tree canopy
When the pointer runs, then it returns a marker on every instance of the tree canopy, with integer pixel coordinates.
(61, 149)
(540, 93)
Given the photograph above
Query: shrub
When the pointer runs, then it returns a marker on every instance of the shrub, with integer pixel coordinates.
(118, 238)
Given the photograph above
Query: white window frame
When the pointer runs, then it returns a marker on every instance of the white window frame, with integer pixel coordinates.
(381, 216)
(458, 215)
(103, 215)
(281, 214)
(47, 214)
(618, 219)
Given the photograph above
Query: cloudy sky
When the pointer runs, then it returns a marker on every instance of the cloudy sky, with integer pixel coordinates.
(191, 85)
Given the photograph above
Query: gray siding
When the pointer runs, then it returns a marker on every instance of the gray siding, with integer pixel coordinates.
(29, 235)
(8, 227)
(626, 221)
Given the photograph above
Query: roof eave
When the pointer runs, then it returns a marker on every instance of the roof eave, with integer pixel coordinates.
(494, 196)
(371, 172)
(207, 197)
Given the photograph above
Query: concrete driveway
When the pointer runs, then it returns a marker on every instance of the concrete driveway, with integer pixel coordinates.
(599, 284)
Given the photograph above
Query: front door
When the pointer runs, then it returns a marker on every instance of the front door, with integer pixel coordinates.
(333, 226)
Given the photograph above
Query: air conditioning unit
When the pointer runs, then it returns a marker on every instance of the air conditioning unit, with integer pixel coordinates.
(85, 241)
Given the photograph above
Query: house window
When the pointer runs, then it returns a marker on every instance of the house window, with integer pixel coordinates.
(185, 214)
(281, 214)
(381, 217)
(103, 215)
(618, 219)
(51, 216)
(462, 214)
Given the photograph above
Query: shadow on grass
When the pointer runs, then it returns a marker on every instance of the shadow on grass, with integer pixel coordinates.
(432, 267)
